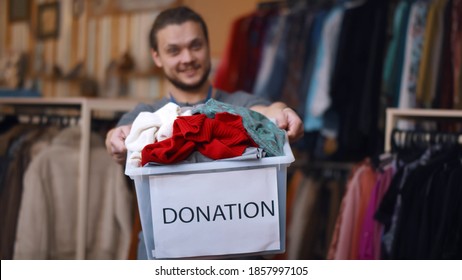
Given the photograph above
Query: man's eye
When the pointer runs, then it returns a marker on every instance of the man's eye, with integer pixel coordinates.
(172, 51)
(196, 46)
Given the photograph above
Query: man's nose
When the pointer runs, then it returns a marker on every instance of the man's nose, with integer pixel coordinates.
(187, 56)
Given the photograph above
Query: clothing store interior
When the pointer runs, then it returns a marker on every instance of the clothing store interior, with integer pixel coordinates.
(376, 176)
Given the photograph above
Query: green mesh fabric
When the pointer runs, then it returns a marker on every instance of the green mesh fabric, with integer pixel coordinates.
(263, 131)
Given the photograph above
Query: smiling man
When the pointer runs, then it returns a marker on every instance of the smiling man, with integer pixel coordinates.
(180, 47)
(182, 51)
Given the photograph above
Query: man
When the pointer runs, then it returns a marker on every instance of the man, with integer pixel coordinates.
(180, 46)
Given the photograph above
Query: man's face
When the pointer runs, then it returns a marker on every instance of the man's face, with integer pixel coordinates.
(184, 55)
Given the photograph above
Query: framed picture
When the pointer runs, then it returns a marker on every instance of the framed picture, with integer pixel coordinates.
(18, 10)
(48, 21)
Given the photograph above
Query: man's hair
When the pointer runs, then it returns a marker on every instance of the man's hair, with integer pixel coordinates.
(171, 16)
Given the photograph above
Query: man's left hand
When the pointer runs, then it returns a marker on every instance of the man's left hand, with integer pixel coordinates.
(288, 120)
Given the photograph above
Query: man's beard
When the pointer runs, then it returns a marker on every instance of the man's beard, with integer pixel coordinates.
(193, 87)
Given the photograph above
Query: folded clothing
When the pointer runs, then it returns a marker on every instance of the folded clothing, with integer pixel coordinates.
(221, 137)
(261, 129)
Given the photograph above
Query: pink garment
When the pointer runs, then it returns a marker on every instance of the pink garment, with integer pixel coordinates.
(342, 243)
(371, 232)
(346, 237)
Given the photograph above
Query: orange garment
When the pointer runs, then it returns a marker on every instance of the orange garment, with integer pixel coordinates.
(292, 188)
(304, 227)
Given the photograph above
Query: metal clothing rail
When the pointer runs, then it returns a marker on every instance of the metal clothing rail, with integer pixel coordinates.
(86, 106)
(394, 114)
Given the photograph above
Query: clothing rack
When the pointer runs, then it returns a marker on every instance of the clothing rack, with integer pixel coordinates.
(84, 107)
(394, 114)
(421, 139)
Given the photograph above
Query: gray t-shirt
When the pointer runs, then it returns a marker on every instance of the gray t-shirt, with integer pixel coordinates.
(239, 98)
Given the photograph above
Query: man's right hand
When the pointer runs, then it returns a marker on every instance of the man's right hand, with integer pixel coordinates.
(115, 143)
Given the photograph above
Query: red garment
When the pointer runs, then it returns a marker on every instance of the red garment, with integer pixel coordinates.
(222, 137)
(227, 73)
(239, 64)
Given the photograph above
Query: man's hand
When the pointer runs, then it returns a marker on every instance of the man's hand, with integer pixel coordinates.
(285, 117)
(115, 143)
(288, 120)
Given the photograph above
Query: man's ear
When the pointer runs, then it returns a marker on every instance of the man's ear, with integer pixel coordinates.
(156, 58)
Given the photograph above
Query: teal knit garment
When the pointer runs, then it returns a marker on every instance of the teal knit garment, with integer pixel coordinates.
(263, 131)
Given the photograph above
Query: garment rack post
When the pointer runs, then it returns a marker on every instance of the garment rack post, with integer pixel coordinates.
(394, 114)
(84, 166)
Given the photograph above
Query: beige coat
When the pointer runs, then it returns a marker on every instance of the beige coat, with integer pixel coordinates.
(48, 214)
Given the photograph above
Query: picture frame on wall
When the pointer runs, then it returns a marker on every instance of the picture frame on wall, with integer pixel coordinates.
(18, 10)
(48, 21)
